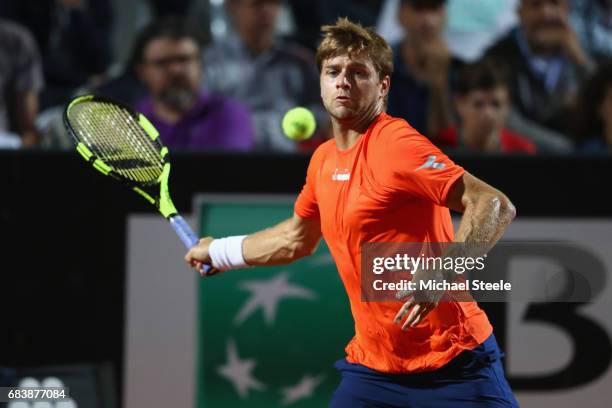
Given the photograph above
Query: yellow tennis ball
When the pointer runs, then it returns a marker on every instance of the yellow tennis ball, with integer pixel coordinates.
(299, 124)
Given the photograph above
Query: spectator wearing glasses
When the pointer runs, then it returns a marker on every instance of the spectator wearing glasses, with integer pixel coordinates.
(169, 63)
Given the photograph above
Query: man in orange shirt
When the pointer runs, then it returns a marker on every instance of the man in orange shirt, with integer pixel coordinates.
(379, 180)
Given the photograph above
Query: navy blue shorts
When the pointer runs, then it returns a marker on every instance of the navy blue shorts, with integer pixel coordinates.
(475, 378)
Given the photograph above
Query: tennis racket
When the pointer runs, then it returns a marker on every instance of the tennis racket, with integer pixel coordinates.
(123, 144)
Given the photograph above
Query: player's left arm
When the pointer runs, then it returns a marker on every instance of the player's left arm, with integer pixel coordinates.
(487, 212)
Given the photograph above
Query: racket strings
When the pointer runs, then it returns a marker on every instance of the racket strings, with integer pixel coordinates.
(145, 151)
(131, 145)
(117, 139)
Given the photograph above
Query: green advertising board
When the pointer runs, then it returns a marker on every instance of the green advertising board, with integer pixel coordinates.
(268, 337)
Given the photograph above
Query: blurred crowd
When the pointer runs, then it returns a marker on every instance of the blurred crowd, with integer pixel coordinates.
(505, 76)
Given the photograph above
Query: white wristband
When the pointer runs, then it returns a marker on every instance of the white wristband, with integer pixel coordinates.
(226, 253)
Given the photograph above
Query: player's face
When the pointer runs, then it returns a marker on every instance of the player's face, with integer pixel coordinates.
(172, 71)
(351, 88)
(422, 23)
(542, 20)
(484, 111)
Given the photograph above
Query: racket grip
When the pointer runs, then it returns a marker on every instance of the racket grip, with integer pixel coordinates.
(186, 234)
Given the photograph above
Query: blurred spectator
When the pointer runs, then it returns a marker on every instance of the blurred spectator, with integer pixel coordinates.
(74, 39)
(546, 65)
(423, 64)
(593, 126)
(483, 104)
(592, 20)
(20, 82)
(169, 64)
(265, 73)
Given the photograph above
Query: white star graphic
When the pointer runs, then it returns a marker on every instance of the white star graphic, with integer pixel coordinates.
(303, 389)
(267, 294)
(238, 372)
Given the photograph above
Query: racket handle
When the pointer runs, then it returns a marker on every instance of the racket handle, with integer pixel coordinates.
(186, 234)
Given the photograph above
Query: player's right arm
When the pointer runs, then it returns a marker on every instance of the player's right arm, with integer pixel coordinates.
(286, 242)
(283, 243)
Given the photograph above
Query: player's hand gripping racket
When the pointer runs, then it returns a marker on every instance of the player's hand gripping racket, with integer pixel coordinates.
(123, 144)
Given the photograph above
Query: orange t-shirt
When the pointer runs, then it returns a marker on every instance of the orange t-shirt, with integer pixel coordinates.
(389, 187)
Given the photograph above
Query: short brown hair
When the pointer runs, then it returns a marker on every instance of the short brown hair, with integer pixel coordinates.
(348, 38)
(481, 75)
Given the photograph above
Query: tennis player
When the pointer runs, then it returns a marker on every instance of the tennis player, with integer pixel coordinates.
(379, 180)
